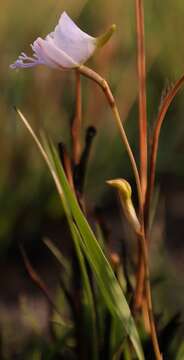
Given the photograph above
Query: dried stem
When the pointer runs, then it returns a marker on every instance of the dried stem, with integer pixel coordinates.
(76, 125)
(141, 67)
(79, 172)
(110, 98)
(155, 139)
(37, 280)
(153, 334)
(139, 290)
(106, 89)
(154, 150)
(66, 162)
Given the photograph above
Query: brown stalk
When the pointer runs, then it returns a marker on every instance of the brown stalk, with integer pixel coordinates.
(154, 150)
(141, 68)
(153, 333)
(76, 125)
(37, 280)
(66, 162)
(139, 290)
(107, 91)
(155, 140)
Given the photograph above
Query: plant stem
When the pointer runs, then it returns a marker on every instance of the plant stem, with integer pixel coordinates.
(76, 125)
(141, 68)
(107, 91)
(155, 343)
(66, 162)
(155, 140)
(138, 297)
(37, 280)
(84, 70)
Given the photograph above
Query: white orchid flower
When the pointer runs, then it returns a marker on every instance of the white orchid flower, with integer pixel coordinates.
(67, 47)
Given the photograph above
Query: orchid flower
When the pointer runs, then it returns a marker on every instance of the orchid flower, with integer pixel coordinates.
(67, 47)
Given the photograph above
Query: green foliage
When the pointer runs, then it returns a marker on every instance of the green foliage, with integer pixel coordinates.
(85, 241)
(28, 197)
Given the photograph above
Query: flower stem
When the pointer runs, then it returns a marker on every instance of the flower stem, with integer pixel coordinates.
(110, 98)
(129, 151)
(154, 338)
(138, 296)
(143, 243)
(141, 68)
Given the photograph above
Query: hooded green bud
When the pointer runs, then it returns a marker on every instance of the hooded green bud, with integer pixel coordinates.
(101, 40)
(125, 193)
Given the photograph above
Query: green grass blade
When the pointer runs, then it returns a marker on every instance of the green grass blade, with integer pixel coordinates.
(110, 289)
(108, 284)
(88, 296)
(58, 255)
(75, 234)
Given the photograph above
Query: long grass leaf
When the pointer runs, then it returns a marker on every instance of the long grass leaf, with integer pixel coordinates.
(110, 289)
(108, 284)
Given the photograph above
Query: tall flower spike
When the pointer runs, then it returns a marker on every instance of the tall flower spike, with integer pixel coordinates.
(67, 47)
(125, 194)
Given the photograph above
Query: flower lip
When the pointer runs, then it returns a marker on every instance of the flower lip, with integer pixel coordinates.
(67, 47)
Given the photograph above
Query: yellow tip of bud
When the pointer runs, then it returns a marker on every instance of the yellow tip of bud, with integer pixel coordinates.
(101, 40)
(125, 193)
(123, 186)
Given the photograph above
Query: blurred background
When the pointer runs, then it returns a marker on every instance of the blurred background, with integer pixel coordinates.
(29, 207)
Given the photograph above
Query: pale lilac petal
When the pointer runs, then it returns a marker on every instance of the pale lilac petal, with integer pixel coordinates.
(72, 40)
(37, 47)
(52, 55)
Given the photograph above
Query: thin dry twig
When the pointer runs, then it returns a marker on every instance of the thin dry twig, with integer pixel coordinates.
(66, 162)
(107, 91)
(139, 290)
(155, 140)
(141, 68)
(143, 268)
(153, 333)
(37, 280)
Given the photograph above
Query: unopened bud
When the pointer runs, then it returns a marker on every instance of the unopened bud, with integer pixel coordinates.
(101, 40)
(125, 194)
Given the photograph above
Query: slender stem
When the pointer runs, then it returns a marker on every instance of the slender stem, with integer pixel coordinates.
(110, 98)
(79, 171)
(155, 343)
(141, 68)
(106, 89)
(138, 296)
(66, 162)
(129, 151)
(37, 280)
(76, 125)
(155, 140)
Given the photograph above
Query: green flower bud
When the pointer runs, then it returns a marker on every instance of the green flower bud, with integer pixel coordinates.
(125, 193)
(101, 40)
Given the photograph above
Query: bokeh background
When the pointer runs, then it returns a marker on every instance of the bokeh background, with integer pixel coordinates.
(29, 208)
